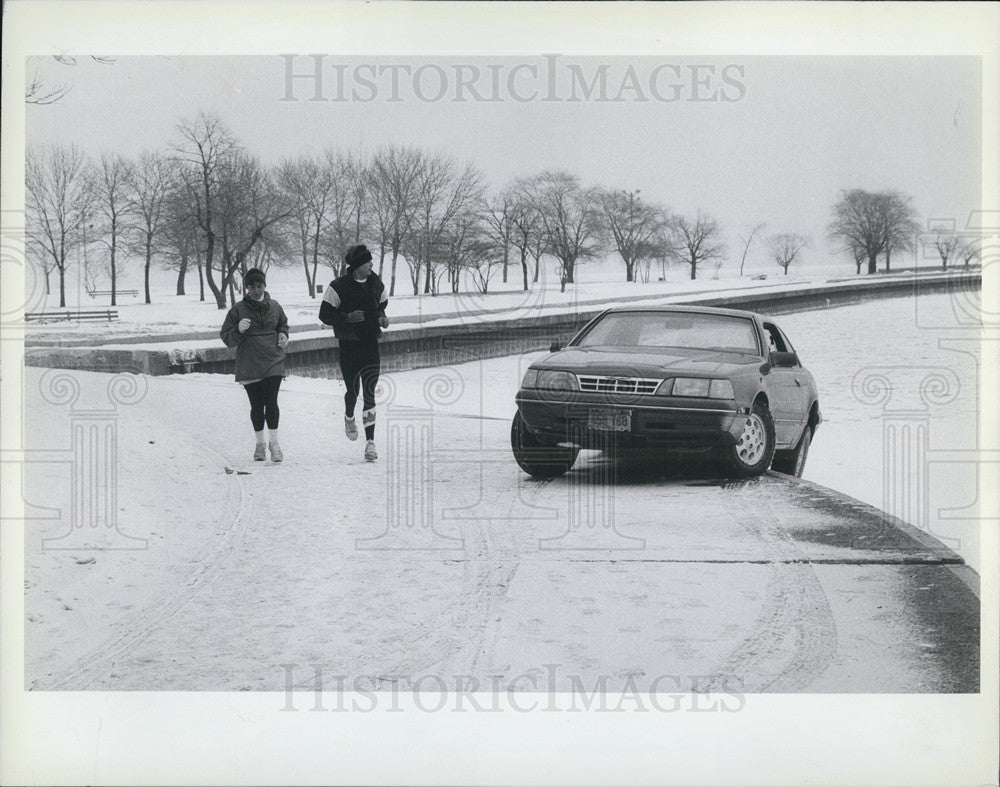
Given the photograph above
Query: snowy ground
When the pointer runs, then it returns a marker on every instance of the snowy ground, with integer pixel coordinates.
(189, 489)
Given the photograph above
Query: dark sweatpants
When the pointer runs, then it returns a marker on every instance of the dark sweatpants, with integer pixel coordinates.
(360, 367)
(263, 396)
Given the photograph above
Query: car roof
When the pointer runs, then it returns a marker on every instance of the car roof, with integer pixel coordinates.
(689, 309)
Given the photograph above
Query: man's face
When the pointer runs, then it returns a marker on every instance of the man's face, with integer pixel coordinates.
(362, 271)
(256, 290)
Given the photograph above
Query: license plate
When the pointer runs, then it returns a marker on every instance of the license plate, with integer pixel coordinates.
(610, 420)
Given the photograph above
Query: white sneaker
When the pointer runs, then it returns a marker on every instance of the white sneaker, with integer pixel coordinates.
(276, 455)
(260, 453)
(350, 428)
(370, 453)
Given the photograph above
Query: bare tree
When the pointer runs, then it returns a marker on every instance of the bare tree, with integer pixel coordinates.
(392, 183)
(901, 225)
(442, 191)
(112, 210)
(498, 214)
(58, 202)
(872, 222)
(785, 248)
(344, 224)
(181, 237)
(946, 244)
(249, 211)
(696, 242)
(526, 224)
(205, 146)
(631, 226)
(971, 251)
(757, 228)
(306, 186)
(150, 183)
(570, 220)
(39, 92)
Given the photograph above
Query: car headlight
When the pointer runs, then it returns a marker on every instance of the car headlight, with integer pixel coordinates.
(556, 381)
(530, 378)
(702, 387)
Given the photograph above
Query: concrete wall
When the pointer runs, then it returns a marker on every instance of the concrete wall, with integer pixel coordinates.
(410, 348)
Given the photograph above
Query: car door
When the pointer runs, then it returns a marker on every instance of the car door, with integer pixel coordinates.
(786, 390)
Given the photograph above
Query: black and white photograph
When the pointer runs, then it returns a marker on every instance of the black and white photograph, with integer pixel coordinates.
(499, 393)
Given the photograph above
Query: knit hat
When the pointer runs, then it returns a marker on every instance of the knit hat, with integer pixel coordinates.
(253, 276)
(357, 256)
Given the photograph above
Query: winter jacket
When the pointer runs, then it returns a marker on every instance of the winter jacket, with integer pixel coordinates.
(346, 294)
(257, 352)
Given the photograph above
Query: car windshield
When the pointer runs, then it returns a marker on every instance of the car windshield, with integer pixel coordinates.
(688, 330)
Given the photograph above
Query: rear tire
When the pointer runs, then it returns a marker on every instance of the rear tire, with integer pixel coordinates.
(752, 454)
(794, 462)
(535, 458)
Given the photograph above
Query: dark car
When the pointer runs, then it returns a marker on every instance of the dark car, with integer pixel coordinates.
(669, 380)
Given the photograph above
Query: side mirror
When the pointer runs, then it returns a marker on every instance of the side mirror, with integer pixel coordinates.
(555, 347)
(784, 359)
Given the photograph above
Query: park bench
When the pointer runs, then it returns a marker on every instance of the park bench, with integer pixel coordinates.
(88, 315)
(133, 293)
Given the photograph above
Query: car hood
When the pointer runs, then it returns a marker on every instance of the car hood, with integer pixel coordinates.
(642, 362)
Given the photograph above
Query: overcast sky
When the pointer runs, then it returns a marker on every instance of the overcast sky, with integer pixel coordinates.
(745, 139)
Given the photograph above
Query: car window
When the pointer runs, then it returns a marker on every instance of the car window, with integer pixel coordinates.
(775, 340)
(688, 330)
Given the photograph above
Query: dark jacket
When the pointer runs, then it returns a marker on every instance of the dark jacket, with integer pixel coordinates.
(346, 294)
(257, 352)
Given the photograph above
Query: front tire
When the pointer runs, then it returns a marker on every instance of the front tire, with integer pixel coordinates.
(794, 462)
(535, 458)
(753, 451)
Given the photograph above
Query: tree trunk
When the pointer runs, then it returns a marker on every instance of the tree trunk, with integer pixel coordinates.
(181, 272)
(149, 261)
(872, 263)
(887, 259)
(629, 271)
(62, 286)
(524, 267)
(201, 279)
(506, 258)
(392, 279)
(114, 267)
(694, 268)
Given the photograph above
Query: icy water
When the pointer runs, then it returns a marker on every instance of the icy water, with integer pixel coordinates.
(899, 393)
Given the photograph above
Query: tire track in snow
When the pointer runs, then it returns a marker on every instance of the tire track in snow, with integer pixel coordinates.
(93, 665)
(794, 638)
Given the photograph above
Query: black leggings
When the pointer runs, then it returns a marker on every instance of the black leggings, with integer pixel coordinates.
(263, 396)
(359, 366)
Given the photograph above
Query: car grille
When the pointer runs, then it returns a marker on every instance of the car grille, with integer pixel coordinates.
(621, 385)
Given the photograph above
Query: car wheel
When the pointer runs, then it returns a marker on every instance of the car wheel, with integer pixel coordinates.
(535, 458)
(794, 462)
(755, 447)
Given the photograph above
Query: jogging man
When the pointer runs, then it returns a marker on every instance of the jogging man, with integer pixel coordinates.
(354, 304)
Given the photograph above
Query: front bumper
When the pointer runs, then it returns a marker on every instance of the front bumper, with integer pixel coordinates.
(667, 423)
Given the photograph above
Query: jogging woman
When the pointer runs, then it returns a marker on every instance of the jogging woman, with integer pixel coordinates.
(258, 328)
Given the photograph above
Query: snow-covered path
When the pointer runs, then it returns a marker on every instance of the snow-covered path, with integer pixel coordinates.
(444, 560)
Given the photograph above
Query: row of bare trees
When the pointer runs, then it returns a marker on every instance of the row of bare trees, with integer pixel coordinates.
(209, 205)
(868, 225)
